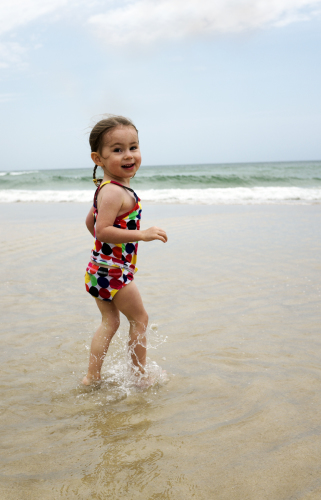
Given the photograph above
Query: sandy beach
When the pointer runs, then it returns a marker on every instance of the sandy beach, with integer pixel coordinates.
(234, 305)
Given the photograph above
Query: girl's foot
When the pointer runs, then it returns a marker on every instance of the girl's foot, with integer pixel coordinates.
(91, 381)
(145, 381)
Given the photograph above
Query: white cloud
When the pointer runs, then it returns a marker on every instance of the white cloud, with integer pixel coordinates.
(147, 21)
(16, 13)
(128, 22)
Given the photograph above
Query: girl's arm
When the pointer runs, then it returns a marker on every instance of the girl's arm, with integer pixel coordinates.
(90, 221)
(110, 205)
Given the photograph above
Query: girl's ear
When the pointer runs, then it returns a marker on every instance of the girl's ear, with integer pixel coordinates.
(96, 159)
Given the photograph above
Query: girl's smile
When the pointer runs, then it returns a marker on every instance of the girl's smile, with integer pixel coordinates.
(131, 165)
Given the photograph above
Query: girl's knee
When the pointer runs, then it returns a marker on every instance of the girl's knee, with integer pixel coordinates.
(145, 319)
(111, 321)
(140, 319)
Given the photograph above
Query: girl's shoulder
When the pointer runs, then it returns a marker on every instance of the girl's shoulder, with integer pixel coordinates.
(112, 194)
(110, 190)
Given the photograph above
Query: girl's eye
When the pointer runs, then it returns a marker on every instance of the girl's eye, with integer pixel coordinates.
(117, 150)
(133, 148)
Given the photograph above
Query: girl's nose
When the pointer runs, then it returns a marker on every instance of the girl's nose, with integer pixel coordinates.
(128, 154)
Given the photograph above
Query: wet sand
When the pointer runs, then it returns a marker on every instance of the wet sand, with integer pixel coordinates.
(236, 295)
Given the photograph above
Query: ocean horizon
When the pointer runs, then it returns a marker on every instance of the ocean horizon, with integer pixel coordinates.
(210, 184)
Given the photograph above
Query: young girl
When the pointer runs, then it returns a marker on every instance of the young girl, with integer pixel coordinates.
(114, 221)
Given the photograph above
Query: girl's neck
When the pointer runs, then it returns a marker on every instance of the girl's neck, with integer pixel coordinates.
(125, 182)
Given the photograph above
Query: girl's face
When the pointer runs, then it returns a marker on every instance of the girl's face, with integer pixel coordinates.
(120, 155)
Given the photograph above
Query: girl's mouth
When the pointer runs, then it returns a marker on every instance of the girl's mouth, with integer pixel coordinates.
(129, 165)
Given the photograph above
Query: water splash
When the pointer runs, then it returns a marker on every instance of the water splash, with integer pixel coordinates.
(120, 379)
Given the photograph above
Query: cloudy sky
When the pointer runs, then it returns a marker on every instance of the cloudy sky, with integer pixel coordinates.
(205, 81)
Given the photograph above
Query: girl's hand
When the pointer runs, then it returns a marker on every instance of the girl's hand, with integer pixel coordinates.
(154, 233)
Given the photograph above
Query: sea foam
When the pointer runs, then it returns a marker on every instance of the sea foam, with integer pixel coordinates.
(210, 196)
(237, 195)
(45, 196)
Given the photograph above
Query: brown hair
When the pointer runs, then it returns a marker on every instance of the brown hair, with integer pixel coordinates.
(100, 129)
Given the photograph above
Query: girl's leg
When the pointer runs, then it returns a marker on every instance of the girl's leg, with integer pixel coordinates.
(101, 339)
(129, 302)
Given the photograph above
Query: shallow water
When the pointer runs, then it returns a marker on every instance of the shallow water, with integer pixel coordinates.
(234, 297)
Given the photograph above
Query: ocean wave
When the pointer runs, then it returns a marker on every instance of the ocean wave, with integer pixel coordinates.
(167, 178)
(45, 196)
(26, 172)
(236, 195)
(226, 177)
(210, 196)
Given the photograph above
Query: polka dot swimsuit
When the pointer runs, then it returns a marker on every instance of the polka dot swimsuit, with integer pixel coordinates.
(104, 282)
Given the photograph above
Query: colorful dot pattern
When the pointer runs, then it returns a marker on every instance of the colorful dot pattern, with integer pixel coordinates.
(120, 255)
(103, 283)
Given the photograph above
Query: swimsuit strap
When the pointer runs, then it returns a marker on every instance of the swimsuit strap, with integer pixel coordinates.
(118, 184)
